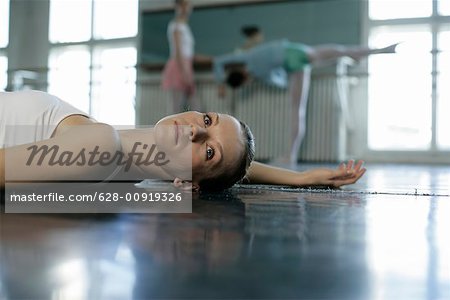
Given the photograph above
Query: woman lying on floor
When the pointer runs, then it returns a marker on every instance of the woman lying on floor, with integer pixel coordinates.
(45, 138)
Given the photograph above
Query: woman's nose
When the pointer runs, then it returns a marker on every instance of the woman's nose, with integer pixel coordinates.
(198, 133)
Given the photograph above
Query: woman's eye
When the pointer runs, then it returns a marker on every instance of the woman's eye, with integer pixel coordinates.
(207, 120)
(209, 153)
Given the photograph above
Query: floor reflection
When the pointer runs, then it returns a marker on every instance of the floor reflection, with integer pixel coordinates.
(406, 247)
(50, 257)
(245, 243)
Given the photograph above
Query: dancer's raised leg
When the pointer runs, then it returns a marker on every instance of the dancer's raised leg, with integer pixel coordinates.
(330, 52)
(299, 83)
(193, 103)
(178, 101)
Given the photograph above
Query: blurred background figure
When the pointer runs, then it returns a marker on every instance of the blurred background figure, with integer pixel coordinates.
(288, 65)
(253, 37)
(178, 74)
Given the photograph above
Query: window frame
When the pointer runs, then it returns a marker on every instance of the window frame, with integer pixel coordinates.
(4, 50)
(434, 154)
(93, 43)
(4, 53)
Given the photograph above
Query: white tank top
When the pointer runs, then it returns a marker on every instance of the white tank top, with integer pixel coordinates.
(31, 116)
(186, 39)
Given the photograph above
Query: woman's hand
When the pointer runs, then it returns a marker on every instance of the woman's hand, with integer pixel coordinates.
(346, 173)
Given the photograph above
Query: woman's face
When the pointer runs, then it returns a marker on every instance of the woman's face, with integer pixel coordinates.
(185, 8)
(216, 142)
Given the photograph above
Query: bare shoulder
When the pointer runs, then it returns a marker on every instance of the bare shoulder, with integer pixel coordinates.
(71, 121)
(78, 131)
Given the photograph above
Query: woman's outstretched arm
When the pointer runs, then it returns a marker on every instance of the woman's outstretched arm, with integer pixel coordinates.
(345, 174)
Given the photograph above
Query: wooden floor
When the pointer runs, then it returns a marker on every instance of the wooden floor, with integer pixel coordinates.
(386, 237)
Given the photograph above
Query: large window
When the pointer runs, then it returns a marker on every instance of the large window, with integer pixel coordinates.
(64, 15)
(69, 76)
(92, 65)
(114, 84)
(443, 91)
(4, 39)
(397, 9)
(3, 72)
(408, 98)
(444, 7)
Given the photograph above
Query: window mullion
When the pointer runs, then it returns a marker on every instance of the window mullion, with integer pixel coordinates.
(96, 46)
(435, 8)
(91, 51)
(434, 29)
(410, 21)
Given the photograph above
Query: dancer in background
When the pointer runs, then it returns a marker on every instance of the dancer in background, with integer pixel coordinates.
(178, 73)
(253, 37)
(285, 64)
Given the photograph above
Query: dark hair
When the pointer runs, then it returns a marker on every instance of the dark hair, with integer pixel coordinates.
(238, 172)
(250, 30)
(235, 78)
(179, 2)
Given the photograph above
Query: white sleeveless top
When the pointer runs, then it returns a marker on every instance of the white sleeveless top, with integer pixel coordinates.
(187, 39)
(31, 116)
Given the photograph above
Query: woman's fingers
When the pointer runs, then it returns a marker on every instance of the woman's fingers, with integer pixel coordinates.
(350, 164)
(358, 165)
(341, 173)
(346, 173)
(349, 180)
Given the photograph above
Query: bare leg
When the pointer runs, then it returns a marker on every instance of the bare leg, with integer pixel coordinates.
(324, 53)
(298, 90)
(178, 101)
(193, 103)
